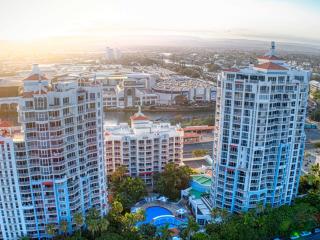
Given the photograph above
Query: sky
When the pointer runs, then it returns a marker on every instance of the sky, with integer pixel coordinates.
(290, 20)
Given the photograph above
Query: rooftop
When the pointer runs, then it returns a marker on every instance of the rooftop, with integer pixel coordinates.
(139, 116)
(179, 83)
(271, 66)
(202, 179)
(35, 77)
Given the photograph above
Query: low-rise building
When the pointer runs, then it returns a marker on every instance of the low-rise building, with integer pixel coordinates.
(121, 90)
(194, 90)
(197, 197)
(144, 147)
(314, 86)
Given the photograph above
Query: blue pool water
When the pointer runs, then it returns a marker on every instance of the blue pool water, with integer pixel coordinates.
(161, 216)
(156, 211)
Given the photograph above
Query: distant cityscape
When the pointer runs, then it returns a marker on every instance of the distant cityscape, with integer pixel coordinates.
(240, 127)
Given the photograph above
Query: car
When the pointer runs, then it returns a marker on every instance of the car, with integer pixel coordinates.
(317, 230)
(305, 233)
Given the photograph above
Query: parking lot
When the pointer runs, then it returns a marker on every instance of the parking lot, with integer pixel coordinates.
(313, 136)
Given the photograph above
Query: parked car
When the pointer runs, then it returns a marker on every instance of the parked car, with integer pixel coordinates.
(305, 233)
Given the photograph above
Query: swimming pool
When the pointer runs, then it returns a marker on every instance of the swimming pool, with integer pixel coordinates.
(156, 211)
(160, 216)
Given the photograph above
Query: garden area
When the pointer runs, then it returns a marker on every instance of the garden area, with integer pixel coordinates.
(122, 224)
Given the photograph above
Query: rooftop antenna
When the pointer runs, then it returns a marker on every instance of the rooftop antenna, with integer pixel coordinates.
(273, 49)
(36, 70)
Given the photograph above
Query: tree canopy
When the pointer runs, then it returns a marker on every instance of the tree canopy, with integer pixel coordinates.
(199, 152)
(172, 180)
(127, 190)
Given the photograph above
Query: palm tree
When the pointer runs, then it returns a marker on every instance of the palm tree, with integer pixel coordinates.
(24, 238)
(78, 221)
(192, 227)
(92, 221)
(92, 225)
(165, 232)
(51, 229)
(220, 215)
(64, 227)
(259, 208)
(103, 225)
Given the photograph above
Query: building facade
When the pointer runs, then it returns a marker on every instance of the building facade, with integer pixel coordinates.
(59, 159)
(171, 88)
(12, 220)
(128, 90)
(259, 137)
(144, 148)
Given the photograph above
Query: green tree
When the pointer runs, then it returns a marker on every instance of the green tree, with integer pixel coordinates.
(116, 210)
(199, 152)
(92, 220)
(315, 115)
(78, 221)
(51, 229)
(311, 182)
(172, 180)
(24, 238)
(200, 236)
(191, 229)
(111, 236)
(117, 177)
(316, 95)
(103, 225)
(165, 232)
(129, 191)
(63, 227)
(220, 215)
(129, 220)
(147, 231)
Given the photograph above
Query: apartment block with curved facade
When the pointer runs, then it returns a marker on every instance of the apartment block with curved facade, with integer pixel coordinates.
(259, 137)
(58, 164)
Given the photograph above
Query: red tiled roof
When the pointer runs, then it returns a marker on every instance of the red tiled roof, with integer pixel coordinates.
(272, 57)
(270, 66)
(191, 135)
(231, 70)
(35, 77)
(139, 117)
(5, 124)
(30, 94)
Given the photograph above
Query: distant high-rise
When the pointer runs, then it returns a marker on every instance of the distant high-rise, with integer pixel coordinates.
(259, 137)
(112, 54)
(55, 166)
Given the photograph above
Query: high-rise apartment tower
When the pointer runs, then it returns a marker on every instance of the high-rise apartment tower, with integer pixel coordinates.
(259, 137)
